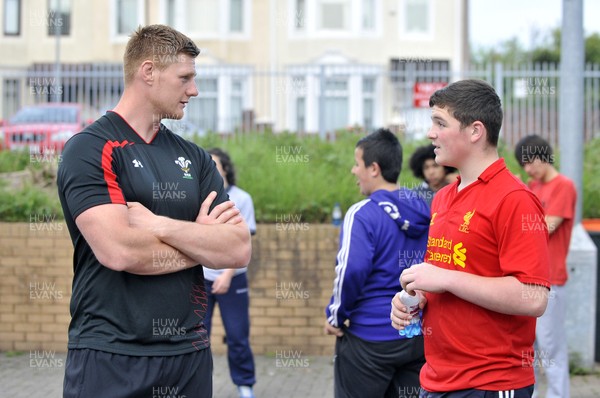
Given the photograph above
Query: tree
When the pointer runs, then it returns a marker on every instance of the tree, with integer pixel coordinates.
(549, 50)
(592, 49)
(508, 52)
(546, 49)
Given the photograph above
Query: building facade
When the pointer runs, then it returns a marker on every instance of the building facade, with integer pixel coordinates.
(296, 65)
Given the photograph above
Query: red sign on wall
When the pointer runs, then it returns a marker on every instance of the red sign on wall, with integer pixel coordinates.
(423, 90)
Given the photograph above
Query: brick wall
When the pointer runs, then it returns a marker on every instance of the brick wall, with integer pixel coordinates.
(291, 277)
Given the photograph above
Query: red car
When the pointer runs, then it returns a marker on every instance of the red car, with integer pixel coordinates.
(43, 127)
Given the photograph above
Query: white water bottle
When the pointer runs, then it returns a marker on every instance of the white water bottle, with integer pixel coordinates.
(412, 304)
(336, 215)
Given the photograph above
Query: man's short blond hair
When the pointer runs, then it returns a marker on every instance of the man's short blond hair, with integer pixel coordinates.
(160, 44)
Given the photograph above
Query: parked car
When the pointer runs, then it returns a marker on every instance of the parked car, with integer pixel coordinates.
(43, 127)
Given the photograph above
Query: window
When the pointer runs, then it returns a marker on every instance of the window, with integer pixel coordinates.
(204, 110)
(59, 20)
(419, 69)
(330, 96)
(236, 16)
(334, 18)
(334, 15)
(299, 15)
(368, 89)
(207, 18)
(368, 15)
(416, 20)
(223, 95)
(129, 14)
(202, 17)
(11, 96)
(336, 103)
(236, 103)
(299, 91)
(170, 12)
(12, 17)
(301, 114)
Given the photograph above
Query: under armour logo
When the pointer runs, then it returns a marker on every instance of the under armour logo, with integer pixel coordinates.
(137, 163)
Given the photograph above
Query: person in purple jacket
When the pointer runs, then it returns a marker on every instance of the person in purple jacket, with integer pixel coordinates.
(381, 236)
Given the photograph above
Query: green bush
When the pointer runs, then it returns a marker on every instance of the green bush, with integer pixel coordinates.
(298, 177)
(14, 161)
(28, 202)
(287, 175)
(591, 180)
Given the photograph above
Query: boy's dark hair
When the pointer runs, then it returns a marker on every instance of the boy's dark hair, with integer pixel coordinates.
(533, 147)
(418, 158)
(382, 147)
(471, 100)
(226, 163)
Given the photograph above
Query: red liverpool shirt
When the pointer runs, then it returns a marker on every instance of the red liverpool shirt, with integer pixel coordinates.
(558, 198)
(494, 227)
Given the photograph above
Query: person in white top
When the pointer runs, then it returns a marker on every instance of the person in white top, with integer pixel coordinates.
(229, 288)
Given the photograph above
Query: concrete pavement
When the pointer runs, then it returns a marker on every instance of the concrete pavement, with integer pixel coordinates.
(39, 374)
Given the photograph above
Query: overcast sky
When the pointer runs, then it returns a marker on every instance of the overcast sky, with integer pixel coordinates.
(494, 21)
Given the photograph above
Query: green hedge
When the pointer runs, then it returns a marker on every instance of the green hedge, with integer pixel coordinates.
(288, 176)
(27, 203)
(591, 180)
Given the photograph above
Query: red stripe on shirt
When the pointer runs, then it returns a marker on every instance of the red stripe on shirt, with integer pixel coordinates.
(114, 191)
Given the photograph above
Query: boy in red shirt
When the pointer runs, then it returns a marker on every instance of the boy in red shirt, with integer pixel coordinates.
(558, 196)
(485, 276)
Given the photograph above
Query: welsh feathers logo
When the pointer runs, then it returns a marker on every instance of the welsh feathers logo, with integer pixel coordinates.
(185, 167)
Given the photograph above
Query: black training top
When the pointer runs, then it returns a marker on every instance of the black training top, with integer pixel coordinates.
(119, 312)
